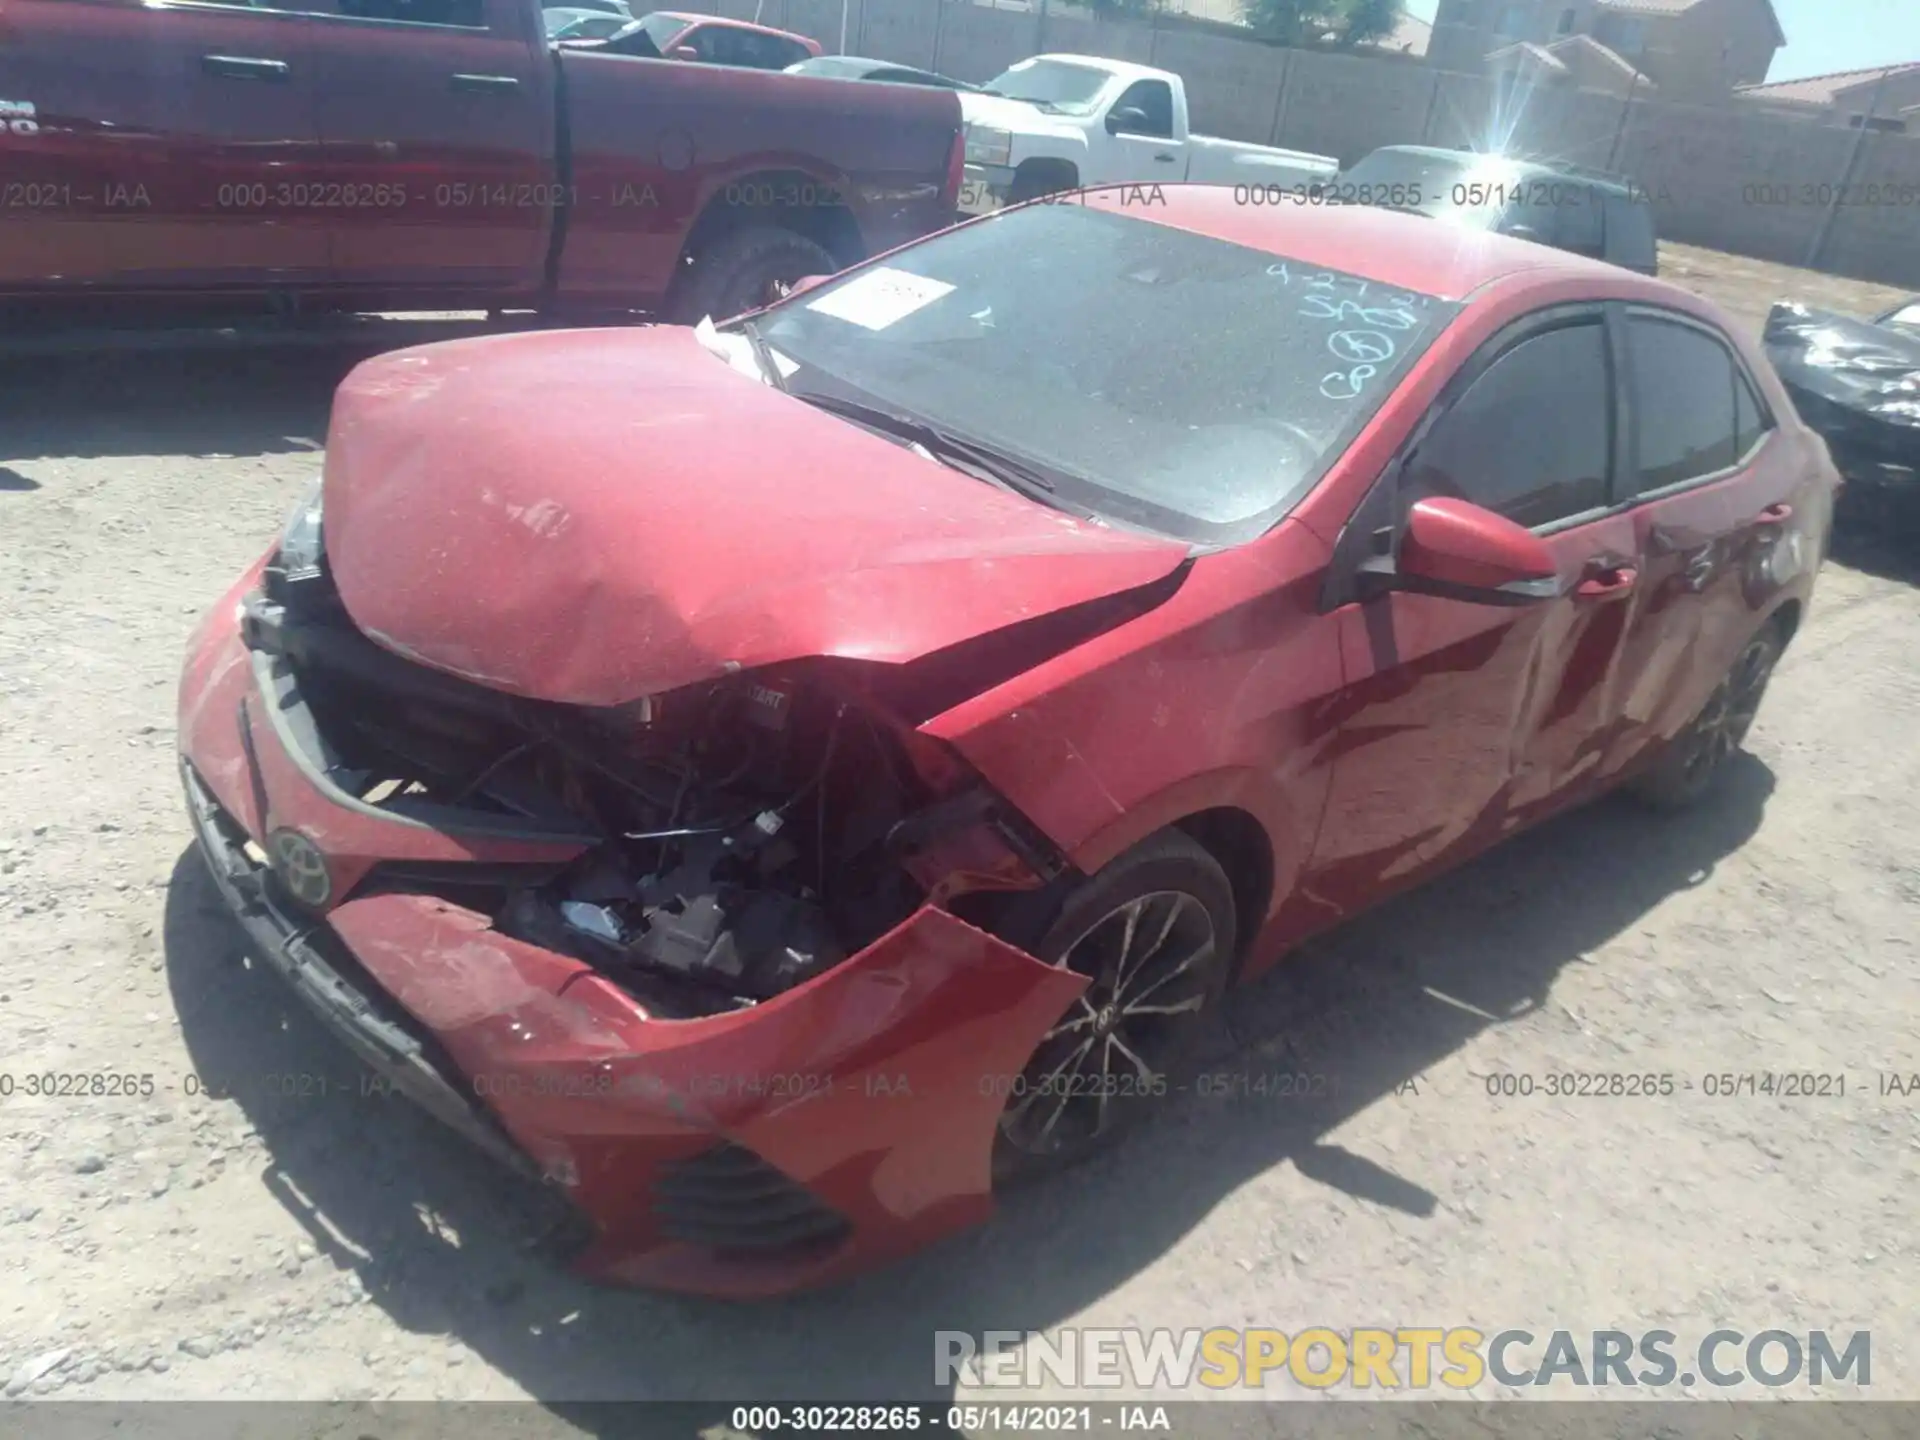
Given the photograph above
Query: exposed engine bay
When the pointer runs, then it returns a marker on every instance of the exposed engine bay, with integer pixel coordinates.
(744, 835)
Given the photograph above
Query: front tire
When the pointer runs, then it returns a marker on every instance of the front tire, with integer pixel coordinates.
(745, 270)
(1154, 932)
(1035, 181)
(1686, 770)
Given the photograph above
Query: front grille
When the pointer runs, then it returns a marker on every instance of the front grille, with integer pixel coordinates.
(730, 1200)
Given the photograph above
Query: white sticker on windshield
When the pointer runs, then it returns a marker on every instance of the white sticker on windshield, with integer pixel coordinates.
(880, 297)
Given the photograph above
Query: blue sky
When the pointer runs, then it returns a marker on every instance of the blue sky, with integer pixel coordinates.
(1824, 35)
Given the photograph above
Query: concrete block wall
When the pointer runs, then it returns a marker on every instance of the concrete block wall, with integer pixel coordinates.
(1730, 179)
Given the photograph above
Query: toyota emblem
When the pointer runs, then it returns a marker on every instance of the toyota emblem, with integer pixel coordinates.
(301, 868)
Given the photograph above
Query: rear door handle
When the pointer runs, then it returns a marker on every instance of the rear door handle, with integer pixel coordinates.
(244, 67)
(1776, 514)
(486, 84)
(1604, 581)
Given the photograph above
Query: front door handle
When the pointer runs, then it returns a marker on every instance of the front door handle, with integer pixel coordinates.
(1166, 159)
(486, 84)
(1776, 514)
(244, 67)
(1607, 582)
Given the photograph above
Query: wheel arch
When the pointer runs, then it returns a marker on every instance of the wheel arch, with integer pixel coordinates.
(1241, 845)
(1238, 816)
(1054, 172)
(1786, 619)
(832, 227)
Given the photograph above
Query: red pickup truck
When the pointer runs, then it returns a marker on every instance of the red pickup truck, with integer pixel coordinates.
(434, 154)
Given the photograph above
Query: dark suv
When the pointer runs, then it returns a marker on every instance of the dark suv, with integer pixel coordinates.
(1589, 212)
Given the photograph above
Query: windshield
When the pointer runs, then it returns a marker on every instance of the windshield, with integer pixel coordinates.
(1470, 190)
(1158, 379)
(1907, 317)
(1051, 84)
(582, 24)
(661, 28)
(832, 65)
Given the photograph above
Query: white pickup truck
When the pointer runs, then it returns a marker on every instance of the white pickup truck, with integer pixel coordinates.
(1063, 122)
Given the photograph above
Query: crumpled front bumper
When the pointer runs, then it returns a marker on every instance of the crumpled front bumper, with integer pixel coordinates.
(748, 1153)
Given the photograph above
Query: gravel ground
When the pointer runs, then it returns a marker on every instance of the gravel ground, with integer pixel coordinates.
(282, 1245)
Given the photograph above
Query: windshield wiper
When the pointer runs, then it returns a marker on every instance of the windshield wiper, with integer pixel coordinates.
(979, 460)
(763, 356)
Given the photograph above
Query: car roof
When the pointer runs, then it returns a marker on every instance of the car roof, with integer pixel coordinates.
(1386, 247)
(1599, 179)
(723, 20)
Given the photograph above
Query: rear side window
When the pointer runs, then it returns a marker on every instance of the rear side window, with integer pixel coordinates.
(1532, 437)
(1630, 237)
(1750, 419)
(1684, 387)
(720, 45)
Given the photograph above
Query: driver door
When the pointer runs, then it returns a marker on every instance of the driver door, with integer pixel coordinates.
(1459, 720)
(1144, 148)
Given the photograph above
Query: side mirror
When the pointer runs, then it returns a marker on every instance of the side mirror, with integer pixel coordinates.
(685, 52)
(1459, 551)
(806, 283)
(1520, 230)
(1128, 119)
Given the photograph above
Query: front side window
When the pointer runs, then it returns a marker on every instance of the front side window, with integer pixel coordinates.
(1154, 100)
(1160, 379)
(662, 29)
(1684, 388)
(1532, 437)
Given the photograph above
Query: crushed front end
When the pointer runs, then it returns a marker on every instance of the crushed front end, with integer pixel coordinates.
(1857, 384)
(697, 961)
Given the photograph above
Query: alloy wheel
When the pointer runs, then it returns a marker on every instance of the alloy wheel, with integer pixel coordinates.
(1730, 710)
(1148, 962)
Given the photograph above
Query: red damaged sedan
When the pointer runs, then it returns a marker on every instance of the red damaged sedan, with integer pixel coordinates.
(777, 783)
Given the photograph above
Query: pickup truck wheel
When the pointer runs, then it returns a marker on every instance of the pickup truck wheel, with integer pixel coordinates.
(745, 270)
(1031, 182)
(1154, 933)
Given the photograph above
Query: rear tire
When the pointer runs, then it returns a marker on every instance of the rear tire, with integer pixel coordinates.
(745, 270)
(1686, 770)
(1155, 932)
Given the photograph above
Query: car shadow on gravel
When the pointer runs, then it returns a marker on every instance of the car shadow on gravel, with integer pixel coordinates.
(446, 1245)
(83, 407)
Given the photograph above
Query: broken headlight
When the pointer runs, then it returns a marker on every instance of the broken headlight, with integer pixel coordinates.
(302, 548)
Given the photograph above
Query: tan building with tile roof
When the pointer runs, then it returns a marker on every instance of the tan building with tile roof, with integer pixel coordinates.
(1890, 92)
(1691, 51)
